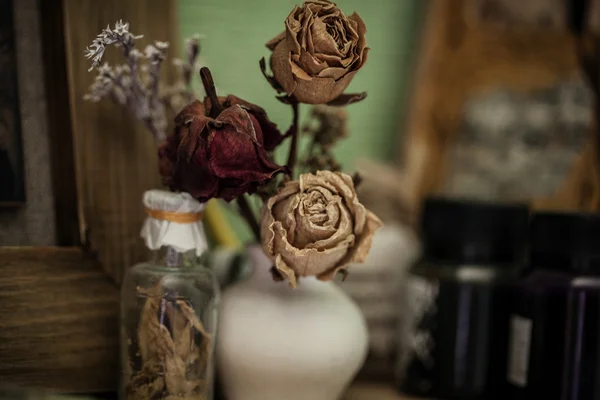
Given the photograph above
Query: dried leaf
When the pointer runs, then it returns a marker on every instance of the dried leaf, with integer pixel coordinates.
(148, 330)
(175, 349)
(272, 81)
(347, 98)
(181, 332)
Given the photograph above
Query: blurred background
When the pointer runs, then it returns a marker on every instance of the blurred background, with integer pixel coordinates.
(483, 99)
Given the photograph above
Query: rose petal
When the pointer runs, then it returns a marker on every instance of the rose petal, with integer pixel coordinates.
(240, 120)
(310, 64)
(271, 44)
(283, 211)
(361, 29)
(338, 234)
(233, 156)
(335, 61)
(320, 90)
(308, 233)
(282, 68)
(271, 136)
(292, 30)
(323, 41)
(363, 244)
(306, 262)
(286, 271)
(306, 21)
(333, 73)
(267, 220)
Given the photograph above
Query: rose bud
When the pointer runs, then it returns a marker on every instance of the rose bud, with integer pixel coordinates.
(316, 226)
(319, 52)
(219, 152)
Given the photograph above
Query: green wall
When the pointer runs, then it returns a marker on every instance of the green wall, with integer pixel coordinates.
(236, 32)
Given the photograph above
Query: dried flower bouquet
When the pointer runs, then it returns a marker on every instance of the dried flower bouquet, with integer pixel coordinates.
(311, 223)
(222, 147)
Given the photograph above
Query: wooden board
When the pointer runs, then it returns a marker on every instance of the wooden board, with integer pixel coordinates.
(115, 157)
(59, 124)
(59, 326)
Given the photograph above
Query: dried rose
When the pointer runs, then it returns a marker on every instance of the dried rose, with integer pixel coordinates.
(319, 52)
(316, 226)
(221, 157)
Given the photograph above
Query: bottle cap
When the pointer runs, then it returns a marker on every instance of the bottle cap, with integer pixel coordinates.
(175, 220)
(569, 242)
(472, 232)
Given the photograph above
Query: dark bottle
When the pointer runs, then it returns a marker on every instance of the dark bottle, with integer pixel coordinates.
(538, 309)
(581, 379)
(455, 330)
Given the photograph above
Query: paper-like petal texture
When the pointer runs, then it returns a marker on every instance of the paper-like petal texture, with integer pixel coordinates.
(316, 226)
(319, 52)
(222, 157)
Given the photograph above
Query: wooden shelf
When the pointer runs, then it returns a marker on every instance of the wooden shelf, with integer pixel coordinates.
(372, 391)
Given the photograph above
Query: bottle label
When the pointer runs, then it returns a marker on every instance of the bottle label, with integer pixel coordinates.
(520, 341)
(416, 339)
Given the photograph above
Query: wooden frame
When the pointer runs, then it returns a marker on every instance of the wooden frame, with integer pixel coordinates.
(462, 58)
(60, 305)
(59, 327)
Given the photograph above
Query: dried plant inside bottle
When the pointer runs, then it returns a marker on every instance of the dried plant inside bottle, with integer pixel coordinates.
(169, 307)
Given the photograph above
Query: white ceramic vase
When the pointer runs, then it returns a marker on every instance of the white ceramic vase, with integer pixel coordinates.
(278, 343)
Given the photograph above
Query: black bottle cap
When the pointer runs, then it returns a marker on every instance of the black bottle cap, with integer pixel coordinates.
(464, 231)
(565, 241)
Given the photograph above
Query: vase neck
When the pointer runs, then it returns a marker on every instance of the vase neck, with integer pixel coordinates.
(261, 273)
(261, 267)
(173, 258)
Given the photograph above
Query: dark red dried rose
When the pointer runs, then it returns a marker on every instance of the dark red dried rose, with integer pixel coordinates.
(221, 157)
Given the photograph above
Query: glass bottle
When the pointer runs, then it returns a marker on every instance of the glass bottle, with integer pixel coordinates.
(455, 318)
(169, 306)
(538, 304)
(582, 345)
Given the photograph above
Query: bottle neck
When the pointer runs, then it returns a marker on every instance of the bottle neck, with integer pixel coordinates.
(173, 258)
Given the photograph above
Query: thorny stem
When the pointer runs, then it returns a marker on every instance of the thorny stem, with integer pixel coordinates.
(249, 216)
(291, 162)
(209, 87)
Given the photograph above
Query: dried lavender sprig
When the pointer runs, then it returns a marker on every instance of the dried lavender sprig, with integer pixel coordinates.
(136, 84)
(124, 84)
(119, 36)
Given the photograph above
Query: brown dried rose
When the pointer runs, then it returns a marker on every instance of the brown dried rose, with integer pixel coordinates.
(319, 52)
(316, 226)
